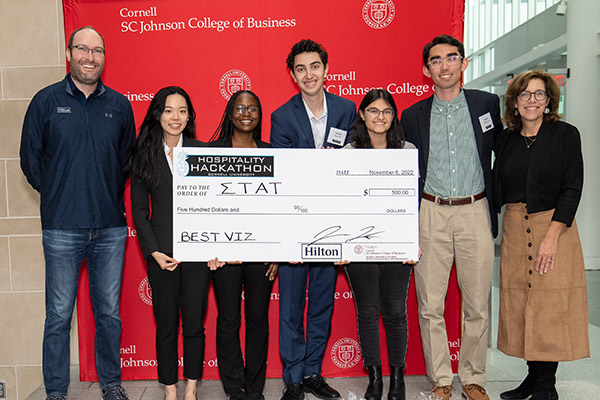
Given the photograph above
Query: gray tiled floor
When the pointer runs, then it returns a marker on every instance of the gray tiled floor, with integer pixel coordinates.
(578, 380)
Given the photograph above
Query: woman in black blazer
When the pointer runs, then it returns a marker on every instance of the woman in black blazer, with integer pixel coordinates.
(539, 178)
(241, 127)
(176, 287)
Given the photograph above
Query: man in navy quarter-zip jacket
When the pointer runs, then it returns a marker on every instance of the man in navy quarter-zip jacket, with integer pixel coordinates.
(75, 146)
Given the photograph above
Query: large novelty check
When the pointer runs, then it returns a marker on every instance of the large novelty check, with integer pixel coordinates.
(295, 205)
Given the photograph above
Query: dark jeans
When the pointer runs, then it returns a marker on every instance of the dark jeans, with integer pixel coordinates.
(64, 250)
(227, 284)
(381, 289)
(183, 290)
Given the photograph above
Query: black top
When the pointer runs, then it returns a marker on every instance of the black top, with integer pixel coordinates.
(514, 173)
(555, 170)
(227, 143)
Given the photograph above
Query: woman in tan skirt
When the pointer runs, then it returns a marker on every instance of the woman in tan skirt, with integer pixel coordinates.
(539, 176)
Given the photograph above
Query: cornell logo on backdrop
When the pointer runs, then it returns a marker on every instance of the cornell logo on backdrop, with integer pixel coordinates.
(345, 353)
(145, 291)
(378, 13)
(233, 81)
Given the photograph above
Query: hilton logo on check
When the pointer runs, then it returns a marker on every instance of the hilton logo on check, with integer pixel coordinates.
(321, 251)
(230, 165)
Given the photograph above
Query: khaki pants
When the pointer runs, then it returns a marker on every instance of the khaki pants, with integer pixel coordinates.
(461, 234)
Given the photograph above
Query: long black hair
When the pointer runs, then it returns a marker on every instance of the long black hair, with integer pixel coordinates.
(394, 136)
(149, 144)
(225, 128)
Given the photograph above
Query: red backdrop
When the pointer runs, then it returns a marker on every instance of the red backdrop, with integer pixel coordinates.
(212, 49)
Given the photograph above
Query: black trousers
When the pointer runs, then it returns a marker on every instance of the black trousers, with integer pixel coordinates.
(227, 284)
(381, 289)
(183, 290)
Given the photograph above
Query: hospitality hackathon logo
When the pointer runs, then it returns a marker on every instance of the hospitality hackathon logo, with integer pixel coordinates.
(378, 13)
(233, 81)
(345, 353)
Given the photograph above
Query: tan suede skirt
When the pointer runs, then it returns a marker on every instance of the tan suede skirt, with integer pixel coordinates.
(542, 317)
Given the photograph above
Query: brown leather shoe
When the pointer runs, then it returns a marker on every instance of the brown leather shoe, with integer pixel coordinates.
(443, 392)
(474, 392)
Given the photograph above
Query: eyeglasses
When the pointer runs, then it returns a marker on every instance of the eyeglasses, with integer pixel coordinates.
(539, 95)
(375, 112)
(242, 109)
(86, 50)
(451, 61)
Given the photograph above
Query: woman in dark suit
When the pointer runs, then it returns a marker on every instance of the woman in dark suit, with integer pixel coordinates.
(380, 288)
(241, 127)
(176, 287)
(539, 177)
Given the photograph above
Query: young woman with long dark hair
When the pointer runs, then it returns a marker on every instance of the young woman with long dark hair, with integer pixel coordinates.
(177, 287)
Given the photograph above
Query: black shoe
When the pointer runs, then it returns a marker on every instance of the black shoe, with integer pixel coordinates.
(545, 382)
(116, 392)
(238, 395)
(254, 396)
(293, 391)
(397, 388)
(316, 385)
(525, 389)
(375, 388)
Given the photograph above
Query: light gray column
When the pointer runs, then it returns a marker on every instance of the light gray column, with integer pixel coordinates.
(583, 111)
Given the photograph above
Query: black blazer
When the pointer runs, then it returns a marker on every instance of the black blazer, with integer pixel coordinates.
(290, 126)
(152, 209)
(415, 123)
(555, 172)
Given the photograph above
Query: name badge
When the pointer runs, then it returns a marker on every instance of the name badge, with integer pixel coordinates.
(486, 122)
(337, 136)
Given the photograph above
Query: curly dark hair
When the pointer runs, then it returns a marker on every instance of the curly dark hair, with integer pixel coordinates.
(306, 46)
(360, 136)
(520, 83)
(225, 128)
(149, 144)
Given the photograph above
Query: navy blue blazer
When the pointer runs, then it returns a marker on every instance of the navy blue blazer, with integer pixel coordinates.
(290, 126)
(415, 123)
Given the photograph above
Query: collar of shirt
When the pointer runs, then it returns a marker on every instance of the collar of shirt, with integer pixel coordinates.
(442, 107)
(74, 90)
(318, 125)
(168, 151)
